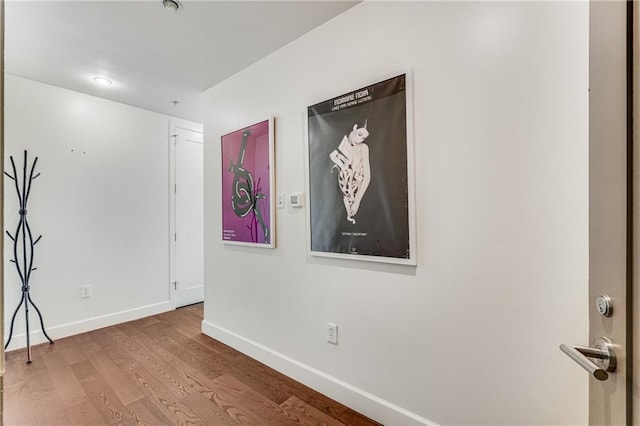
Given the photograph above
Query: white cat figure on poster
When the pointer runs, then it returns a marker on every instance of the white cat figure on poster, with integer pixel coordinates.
(352, 160)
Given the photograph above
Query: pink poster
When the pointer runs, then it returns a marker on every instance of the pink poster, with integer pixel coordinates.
(247, 186)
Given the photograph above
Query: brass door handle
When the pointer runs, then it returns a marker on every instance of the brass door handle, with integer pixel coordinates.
(603, 356)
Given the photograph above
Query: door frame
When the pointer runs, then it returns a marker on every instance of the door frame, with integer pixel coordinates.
(174, 126)
(634, 182)
(633, 196)
(2, 212)
(611, 202)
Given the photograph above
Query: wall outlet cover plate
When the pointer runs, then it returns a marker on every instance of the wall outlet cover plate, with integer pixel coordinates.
(332, 333)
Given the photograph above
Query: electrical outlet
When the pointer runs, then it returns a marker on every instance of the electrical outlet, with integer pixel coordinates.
(332, 333)
(85, 291)
(281, 200)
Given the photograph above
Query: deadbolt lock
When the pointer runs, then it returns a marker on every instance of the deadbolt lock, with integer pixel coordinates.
(604, 305)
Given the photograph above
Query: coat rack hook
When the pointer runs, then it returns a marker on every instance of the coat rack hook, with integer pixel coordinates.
(25, 245)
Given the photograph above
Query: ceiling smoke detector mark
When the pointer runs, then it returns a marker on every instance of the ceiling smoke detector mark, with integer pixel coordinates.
(172, 5)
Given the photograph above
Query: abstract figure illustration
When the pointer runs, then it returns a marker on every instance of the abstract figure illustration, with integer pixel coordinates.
(245, 195)
(354, 172)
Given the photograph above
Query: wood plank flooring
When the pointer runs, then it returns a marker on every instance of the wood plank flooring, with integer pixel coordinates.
(159, 370)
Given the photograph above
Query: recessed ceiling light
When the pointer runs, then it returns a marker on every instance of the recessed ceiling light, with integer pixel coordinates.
(102, 81)
(172, 5)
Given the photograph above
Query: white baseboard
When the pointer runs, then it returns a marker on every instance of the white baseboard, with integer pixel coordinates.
(19, 341)
(358, 399)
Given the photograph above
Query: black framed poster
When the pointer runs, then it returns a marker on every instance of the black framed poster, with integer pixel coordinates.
(360, 174)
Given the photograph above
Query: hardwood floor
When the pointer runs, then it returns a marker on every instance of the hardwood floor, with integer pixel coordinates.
(159, 370)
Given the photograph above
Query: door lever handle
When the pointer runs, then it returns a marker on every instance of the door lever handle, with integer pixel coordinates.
(603, 356)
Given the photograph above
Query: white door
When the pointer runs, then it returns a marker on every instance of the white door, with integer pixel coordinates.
(187, 286)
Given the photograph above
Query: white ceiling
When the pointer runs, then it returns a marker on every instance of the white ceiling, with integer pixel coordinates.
(152, 55)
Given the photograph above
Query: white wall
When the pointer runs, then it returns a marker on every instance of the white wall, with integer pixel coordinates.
(101, 204)
(471, 335)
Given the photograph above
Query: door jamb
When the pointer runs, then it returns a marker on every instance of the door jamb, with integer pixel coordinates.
(629, 343)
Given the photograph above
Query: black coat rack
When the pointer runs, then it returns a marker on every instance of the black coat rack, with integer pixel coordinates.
(23, 244)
